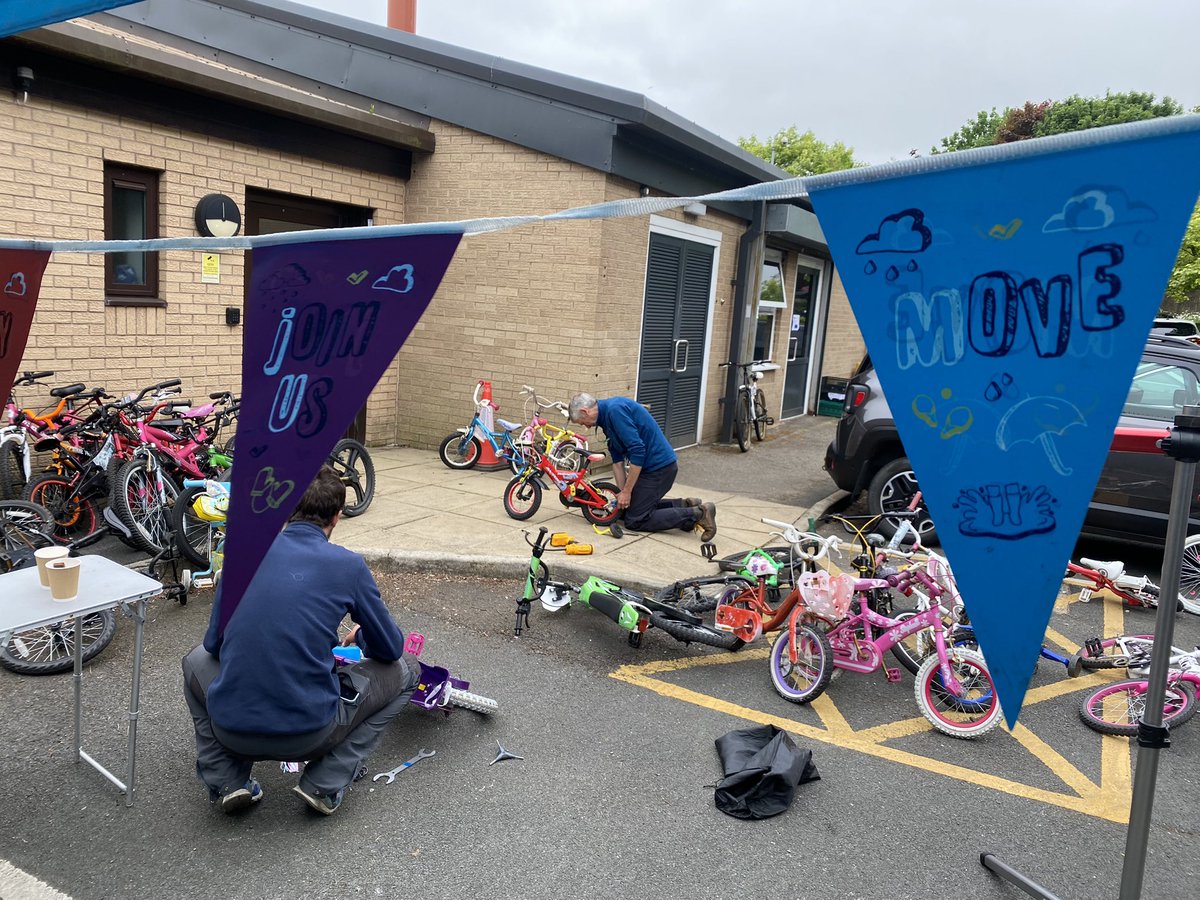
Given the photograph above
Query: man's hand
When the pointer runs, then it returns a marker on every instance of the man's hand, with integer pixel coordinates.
(351, 636)
(623, 499)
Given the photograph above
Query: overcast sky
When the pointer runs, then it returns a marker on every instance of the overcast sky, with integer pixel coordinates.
(883, 77)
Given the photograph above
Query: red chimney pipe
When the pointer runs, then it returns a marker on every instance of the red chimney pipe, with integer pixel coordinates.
(402, 15)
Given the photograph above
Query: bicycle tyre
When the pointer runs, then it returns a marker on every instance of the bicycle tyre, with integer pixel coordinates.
(1126, 702)
(459, 451)
(687, 633)
(741, 421)
(760, 416)
(969, 667)
(50, 649)
(24, 527)
(1189, 575)
(474, 702)
(193, 535)
(522, 498)
(813, 647)
(75, 516)
(610, 512)
(356, 469)
(12, 470)
(147, 517)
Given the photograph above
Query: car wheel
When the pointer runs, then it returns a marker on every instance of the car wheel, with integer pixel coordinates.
(892, 490)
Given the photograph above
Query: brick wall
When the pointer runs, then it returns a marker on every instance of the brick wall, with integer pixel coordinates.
(844, 346)
(52, 160)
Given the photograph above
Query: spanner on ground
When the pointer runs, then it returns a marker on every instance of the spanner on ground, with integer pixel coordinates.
(391, 776)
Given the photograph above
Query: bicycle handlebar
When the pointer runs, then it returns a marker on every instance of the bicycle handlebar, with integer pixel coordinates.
(31, 377)
(794, 536)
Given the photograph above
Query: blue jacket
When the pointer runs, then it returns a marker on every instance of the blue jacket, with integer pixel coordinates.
(633, 434)
(277, 674)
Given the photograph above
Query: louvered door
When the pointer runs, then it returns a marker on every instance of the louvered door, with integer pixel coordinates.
(674, 327)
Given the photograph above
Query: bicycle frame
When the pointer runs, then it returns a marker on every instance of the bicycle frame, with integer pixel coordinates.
(1100, 581)
(573, 485)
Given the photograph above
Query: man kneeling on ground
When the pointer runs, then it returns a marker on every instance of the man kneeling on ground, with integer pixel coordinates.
(644, 467)
(267, 687)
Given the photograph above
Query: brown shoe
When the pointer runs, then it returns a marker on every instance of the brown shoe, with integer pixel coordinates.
(693, 501)
(708, 521)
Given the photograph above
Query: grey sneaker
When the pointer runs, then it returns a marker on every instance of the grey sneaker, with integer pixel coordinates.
(708, 521)
(249, 793)
(326, 805)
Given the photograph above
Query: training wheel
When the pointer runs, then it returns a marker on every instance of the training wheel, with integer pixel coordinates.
(708, 550)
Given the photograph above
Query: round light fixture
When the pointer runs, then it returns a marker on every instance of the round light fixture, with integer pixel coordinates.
(218, 216)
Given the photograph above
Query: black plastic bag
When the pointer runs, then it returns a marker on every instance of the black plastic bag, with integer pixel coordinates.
(762, 767)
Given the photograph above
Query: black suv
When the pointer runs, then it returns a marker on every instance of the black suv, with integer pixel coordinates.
(1134, 492)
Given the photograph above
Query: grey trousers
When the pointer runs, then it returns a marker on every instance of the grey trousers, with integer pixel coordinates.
(334, 753)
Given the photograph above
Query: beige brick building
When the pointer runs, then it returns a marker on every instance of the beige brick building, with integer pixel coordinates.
(305, 121)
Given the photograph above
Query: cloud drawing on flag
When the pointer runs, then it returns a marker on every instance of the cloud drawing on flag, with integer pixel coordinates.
(902, 232)
(1096, 209)
(16, 285)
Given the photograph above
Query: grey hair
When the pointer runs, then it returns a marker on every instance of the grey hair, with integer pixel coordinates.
(578, 402)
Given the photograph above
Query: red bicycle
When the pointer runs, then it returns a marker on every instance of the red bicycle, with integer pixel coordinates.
(597, 500)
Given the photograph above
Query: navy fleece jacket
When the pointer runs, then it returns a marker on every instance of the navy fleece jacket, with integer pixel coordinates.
(633, 434)
(277, 674)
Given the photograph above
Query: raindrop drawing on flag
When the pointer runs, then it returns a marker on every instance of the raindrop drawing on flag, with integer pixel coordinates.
(1005, 297)
(323, 322)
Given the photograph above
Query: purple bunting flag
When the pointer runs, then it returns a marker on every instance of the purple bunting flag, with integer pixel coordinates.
(323, 322)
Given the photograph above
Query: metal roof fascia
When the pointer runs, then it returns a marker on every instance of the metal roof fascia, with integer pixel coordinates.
(325, 60)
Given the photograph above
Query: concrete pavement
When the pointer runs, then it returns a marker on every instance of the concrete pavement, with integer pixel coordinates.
(426, 516)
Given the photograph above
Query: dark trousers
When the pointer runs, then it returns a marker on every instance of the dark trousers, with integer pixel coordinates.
(224, 759)
(648, 511)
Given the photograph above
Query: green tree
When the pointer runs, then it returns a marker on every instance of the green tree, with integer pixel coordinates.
(800, 154)
(1077, 113)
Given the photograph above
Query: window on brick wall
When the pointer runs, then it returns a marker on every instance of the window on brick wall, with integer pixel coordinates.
(131, 213)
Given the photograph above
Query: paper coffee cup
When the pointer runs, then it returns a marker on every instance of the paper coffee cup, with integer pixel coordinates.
(45, 555)
(64, 578)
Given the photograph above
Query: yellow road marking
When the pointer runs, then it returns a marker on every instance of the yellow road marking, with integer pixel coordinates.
(1107, 800)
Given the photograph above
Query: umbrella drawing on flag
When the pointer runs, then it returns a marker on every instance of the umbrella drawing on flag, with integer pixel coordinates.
(1039, 419)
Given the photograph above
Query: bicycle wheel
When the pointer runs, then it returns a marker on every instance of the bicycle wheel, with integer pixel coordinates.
(355, 468)
(142, 507)
(24, 527)
(971, 714)
(760, 416)
(12, 471)
(74, 514)
(610, 511)
(687, 633)
(468, 700)
(806, 679)
(1189, 575)
(1118, 708)
(741, 421)
(193, 535)
(459, 451)
(522, 497)
(51, 648)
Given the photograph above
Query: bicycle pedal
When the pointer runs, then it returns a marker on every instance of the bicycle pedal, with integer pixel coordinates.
(708, 550)
(892, 673)
(1092, 647)
(770, 420)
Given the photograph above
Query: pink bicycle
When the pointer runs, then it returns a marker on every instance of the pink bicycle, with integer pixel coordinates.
(953, 689)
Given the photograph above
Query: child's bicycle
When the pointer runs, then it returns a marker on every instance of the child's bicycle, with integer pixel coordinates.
(1090, 575)
(437, 690)
(1118, 708)
(461, 449)
(635, 612)
(597, 500)
(953, 689)
(198, 526)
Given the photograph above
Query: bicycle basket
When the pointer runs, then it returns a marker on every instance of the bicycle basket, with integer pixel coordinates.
(210, 509)
(825, 595)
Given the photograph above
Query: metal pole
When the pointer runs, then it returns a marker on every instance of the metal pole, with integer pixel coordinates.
(1013, 877)
(1184, 446)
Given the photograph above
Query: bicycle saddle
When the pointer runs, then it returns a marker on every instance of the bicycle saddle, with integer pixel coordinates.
(1110, 570)
(509, 426)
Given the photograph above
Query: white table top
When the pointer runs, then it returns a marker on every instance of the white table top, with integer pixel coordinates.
(103, 584)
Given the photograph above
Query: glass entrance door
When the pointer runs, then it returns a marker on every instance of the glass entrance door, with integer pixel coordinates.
(799, 346)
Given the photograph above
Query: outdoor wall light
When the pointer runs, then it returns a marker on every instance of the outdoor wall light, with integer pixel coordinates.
(218, 216)
(695, 209)
(24, 79)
